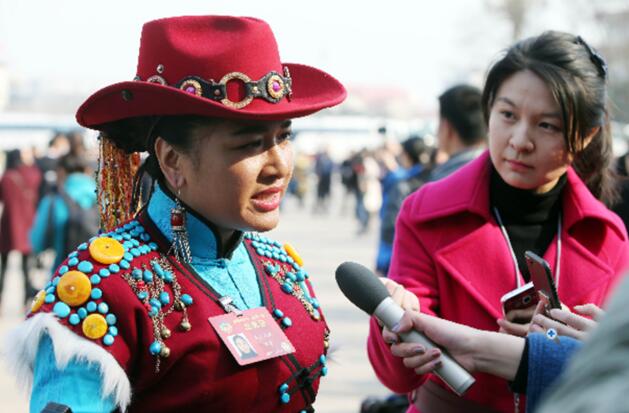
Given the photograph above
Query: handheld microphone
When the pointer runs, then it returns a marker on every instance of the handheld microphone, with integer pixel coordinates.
(363, 288)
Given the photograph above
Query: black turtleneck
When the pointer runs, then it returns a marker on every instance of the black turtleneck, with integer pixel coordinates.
(530, 218)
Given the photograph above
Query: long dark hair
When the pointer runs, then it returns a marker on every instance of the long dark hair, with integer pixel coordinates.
(576, 76)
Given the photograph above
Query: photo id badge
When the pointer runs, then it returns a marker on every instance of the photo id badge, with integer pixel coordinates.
(252, 335)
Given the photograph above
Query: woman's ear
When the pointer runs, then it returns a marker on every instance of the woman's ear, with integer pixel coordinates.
(170, 162)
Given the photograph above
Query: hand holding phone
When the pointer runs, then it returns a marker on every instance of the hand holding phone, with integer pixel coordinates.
(542, 278)
(523, 297)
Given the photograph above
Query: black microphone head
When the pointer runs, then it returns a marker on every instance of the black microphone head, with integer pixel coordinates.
(361, 286)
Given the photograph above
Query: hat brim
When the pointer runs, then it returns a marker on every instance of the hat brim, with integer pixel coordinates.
(313, 90)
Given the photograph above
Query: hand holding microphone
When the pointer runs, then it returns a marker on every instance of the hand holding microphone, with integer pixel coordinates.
(364, 289)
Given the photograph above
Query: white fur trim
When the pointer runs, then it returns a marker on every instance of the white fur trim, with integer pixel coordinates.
(20, 349)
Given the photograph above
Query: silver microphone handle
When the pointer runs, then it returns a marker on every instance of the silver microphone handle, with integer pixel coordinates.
(451, 372)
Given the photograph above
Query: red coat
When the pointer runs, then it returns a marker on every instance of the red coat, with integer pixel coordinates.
(18, 195)
(450, 252)
(200, 374)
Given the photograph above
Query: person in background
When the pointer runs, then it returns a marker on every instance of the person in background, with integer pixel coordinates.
(77, 144)
(621, 166)
(349, 180)
(299, 183)
(542, 186)
(396, 186)
(58, 146)
(370, 189)
(323, 168)
(461, 133)
(18, 196)
(57, 211)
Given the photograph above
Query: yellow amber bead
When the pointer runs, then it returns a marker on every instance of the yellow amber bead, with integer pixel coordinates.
(94, 326)
(293, 254)
(106, 250)
(74, 288)
(38, 301)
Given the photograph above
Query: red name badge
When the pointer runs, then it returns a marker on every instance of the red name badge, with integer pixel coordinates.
(252, 335)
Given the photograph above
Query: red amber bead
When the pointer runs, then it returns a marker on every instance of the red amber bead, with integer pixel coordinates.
(176, 219)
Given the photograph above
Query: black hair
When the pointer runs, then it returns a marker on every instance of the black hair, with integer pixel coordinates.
(58, 135)
(14, 159)
(575, 74)
(139, 134)
(414, 147)
(461, 107)
(72, 163)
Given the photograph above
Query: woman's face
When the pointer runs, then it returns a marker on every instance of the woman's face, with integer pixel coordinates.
(526, 138)
(239, 173)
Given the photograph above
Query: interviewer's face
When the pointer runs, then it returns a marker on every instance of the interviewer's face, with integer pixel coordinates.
(526, 134)
(239, 173)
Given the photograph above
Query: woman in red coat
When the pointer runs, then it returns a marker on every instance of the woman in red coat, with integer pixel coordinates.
(18, 195)
(460, 242)
(148, 316)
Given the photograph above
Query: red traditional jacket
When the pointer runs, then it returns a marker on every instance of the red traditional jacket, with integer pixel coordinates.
(125, 294)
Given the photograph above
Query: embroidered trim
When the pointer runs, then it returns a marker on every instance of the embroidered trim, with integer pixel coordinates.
(272, 87)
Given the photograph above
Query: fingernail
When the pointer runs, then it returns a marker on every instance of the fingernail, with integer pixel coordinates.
(419, 350)
(435, 352)
(396, 328)
(438, 364)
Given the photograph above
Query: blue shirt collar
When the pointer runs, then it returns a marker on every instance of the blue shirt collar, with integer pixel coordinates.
(204, 242)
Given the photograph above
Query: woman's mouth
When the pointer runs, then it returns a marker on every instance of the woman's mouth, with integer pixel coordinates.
(267, 200)
(518, 166)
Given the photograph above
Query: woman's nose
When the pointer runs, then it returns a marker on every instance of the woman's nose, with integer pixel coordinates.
(280, 160)
(520, 139)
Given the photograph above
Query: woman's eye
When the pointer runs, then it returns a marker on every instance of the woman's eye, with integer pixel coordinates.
(507, 114)
(287, 136)
(252, 144)
(550, 127)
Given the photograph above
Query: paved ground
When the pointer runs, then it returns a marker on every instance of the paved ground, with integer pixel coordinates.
(323, 241)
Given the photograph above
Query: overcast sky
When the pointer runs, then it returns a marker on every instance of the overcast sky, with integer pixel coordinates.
(419, 45)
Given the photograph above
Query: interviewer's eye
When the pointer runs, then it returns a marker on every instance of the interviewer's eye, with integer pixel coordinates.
(507, 114)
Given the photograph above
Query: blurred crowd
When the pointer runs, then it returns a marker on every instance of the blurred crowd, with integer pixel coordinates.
(48, 203)
(48, 199)
(375, 181)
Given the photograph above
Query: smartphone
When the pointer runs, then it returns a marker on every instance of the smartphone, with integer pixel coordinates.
(522, 297)
(542, 278)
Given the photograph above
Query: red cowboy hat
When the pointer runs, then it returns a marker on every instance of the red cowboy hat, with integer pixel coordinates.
(217, 66)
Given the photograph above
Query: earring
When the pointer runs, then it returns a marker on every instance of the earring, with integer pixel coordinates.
(181, 245)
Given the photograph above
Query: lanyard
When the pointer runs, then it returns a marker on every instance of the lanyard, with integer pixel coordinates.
(518, 276)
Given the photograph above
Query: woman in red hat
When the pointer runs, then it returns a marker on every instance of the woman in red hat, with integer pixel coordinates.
(142, 317)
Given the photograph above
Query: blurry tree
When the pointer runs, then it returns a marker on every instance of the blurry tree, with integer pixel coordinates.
(612, 16)
(514, 11)
(604, 21)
